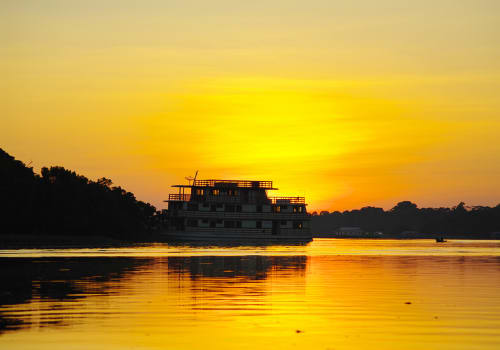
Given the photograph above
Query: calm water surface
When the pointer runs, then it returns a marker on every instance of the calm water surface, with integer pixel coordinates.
(328, 294)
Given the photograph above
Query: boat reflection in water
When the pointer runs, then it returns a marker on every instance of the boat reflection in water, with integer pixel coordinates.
(341, 294)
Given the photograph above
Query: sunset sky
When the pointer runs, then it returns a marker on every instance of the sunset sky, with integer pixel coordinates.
(349, 103)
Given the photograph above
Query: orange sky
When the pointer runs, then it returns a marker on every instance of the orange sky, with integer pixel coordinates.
(350, 104)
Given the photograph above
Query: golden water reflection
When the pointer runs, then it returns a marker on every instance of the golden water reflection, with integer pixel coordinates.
(251, 301)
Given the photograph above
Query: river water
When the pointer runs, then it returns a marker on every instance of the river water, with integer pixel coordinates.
(328, 294)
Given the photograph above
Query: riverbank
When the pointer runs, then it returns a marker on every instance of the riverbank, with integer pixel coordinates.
(19, 241)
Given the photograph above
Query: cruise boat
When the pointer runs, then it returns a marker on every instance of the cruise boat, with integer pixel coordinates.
(235, 210)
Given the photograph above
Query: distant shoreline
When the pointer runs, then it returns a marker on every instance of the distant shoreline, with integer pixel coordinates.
(412, 236)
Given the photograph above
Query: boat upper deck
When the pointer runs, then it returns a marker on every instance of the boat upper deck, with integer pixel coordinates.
(265, 185)
(174, 197)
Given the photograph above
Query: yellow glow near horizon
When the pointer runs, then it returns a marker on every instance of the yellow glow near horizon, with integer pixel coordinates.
(307, 136)
(349, 104)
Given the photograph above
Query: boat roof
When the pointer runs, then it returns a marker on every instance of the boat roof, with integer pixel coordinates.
(267, 185)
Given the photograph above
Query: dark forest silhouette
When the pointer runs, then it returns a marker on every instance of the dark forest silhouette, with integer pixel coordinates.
(61, 202)
(409, 220)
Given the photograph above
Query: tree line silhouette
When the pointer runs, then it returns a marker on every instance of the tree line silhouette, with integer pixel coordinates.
(60, 202)
(407, 219)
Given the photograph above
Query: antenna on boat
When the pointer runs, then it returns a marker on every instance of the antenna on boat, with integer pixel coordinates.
(190, 178)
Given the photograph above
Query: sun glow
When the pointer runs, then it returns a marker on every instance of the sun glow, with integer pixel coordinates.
(309, 137)
(347, 103)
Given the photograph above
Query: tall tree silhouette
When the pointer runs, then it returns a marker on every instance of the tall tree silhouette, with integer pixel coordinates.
(62, 202)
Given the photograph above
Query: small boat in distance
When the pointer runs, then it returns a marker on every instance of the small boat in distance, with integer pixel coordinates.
(236, 210)
(440, 240)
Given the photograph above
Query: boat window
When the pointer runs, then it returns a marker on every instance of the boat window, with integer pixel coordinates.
(219, 205)
(238, 208)
(283, 222)
(238, 224)
(205, 221)
(229, 208)
(219, 221)
(259, 209)
(228, 223)
(192, 223)
(259, 224)
(297, 224)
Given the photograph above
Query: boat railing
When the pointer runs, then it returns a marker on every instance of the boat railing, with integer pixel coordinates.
(244, 215)
(179, 197)
(288, 200)
(273, 200)
(233, 183)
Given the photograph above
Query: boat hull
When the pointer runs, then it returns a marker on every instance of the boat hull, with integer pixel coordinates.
(235, 236)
